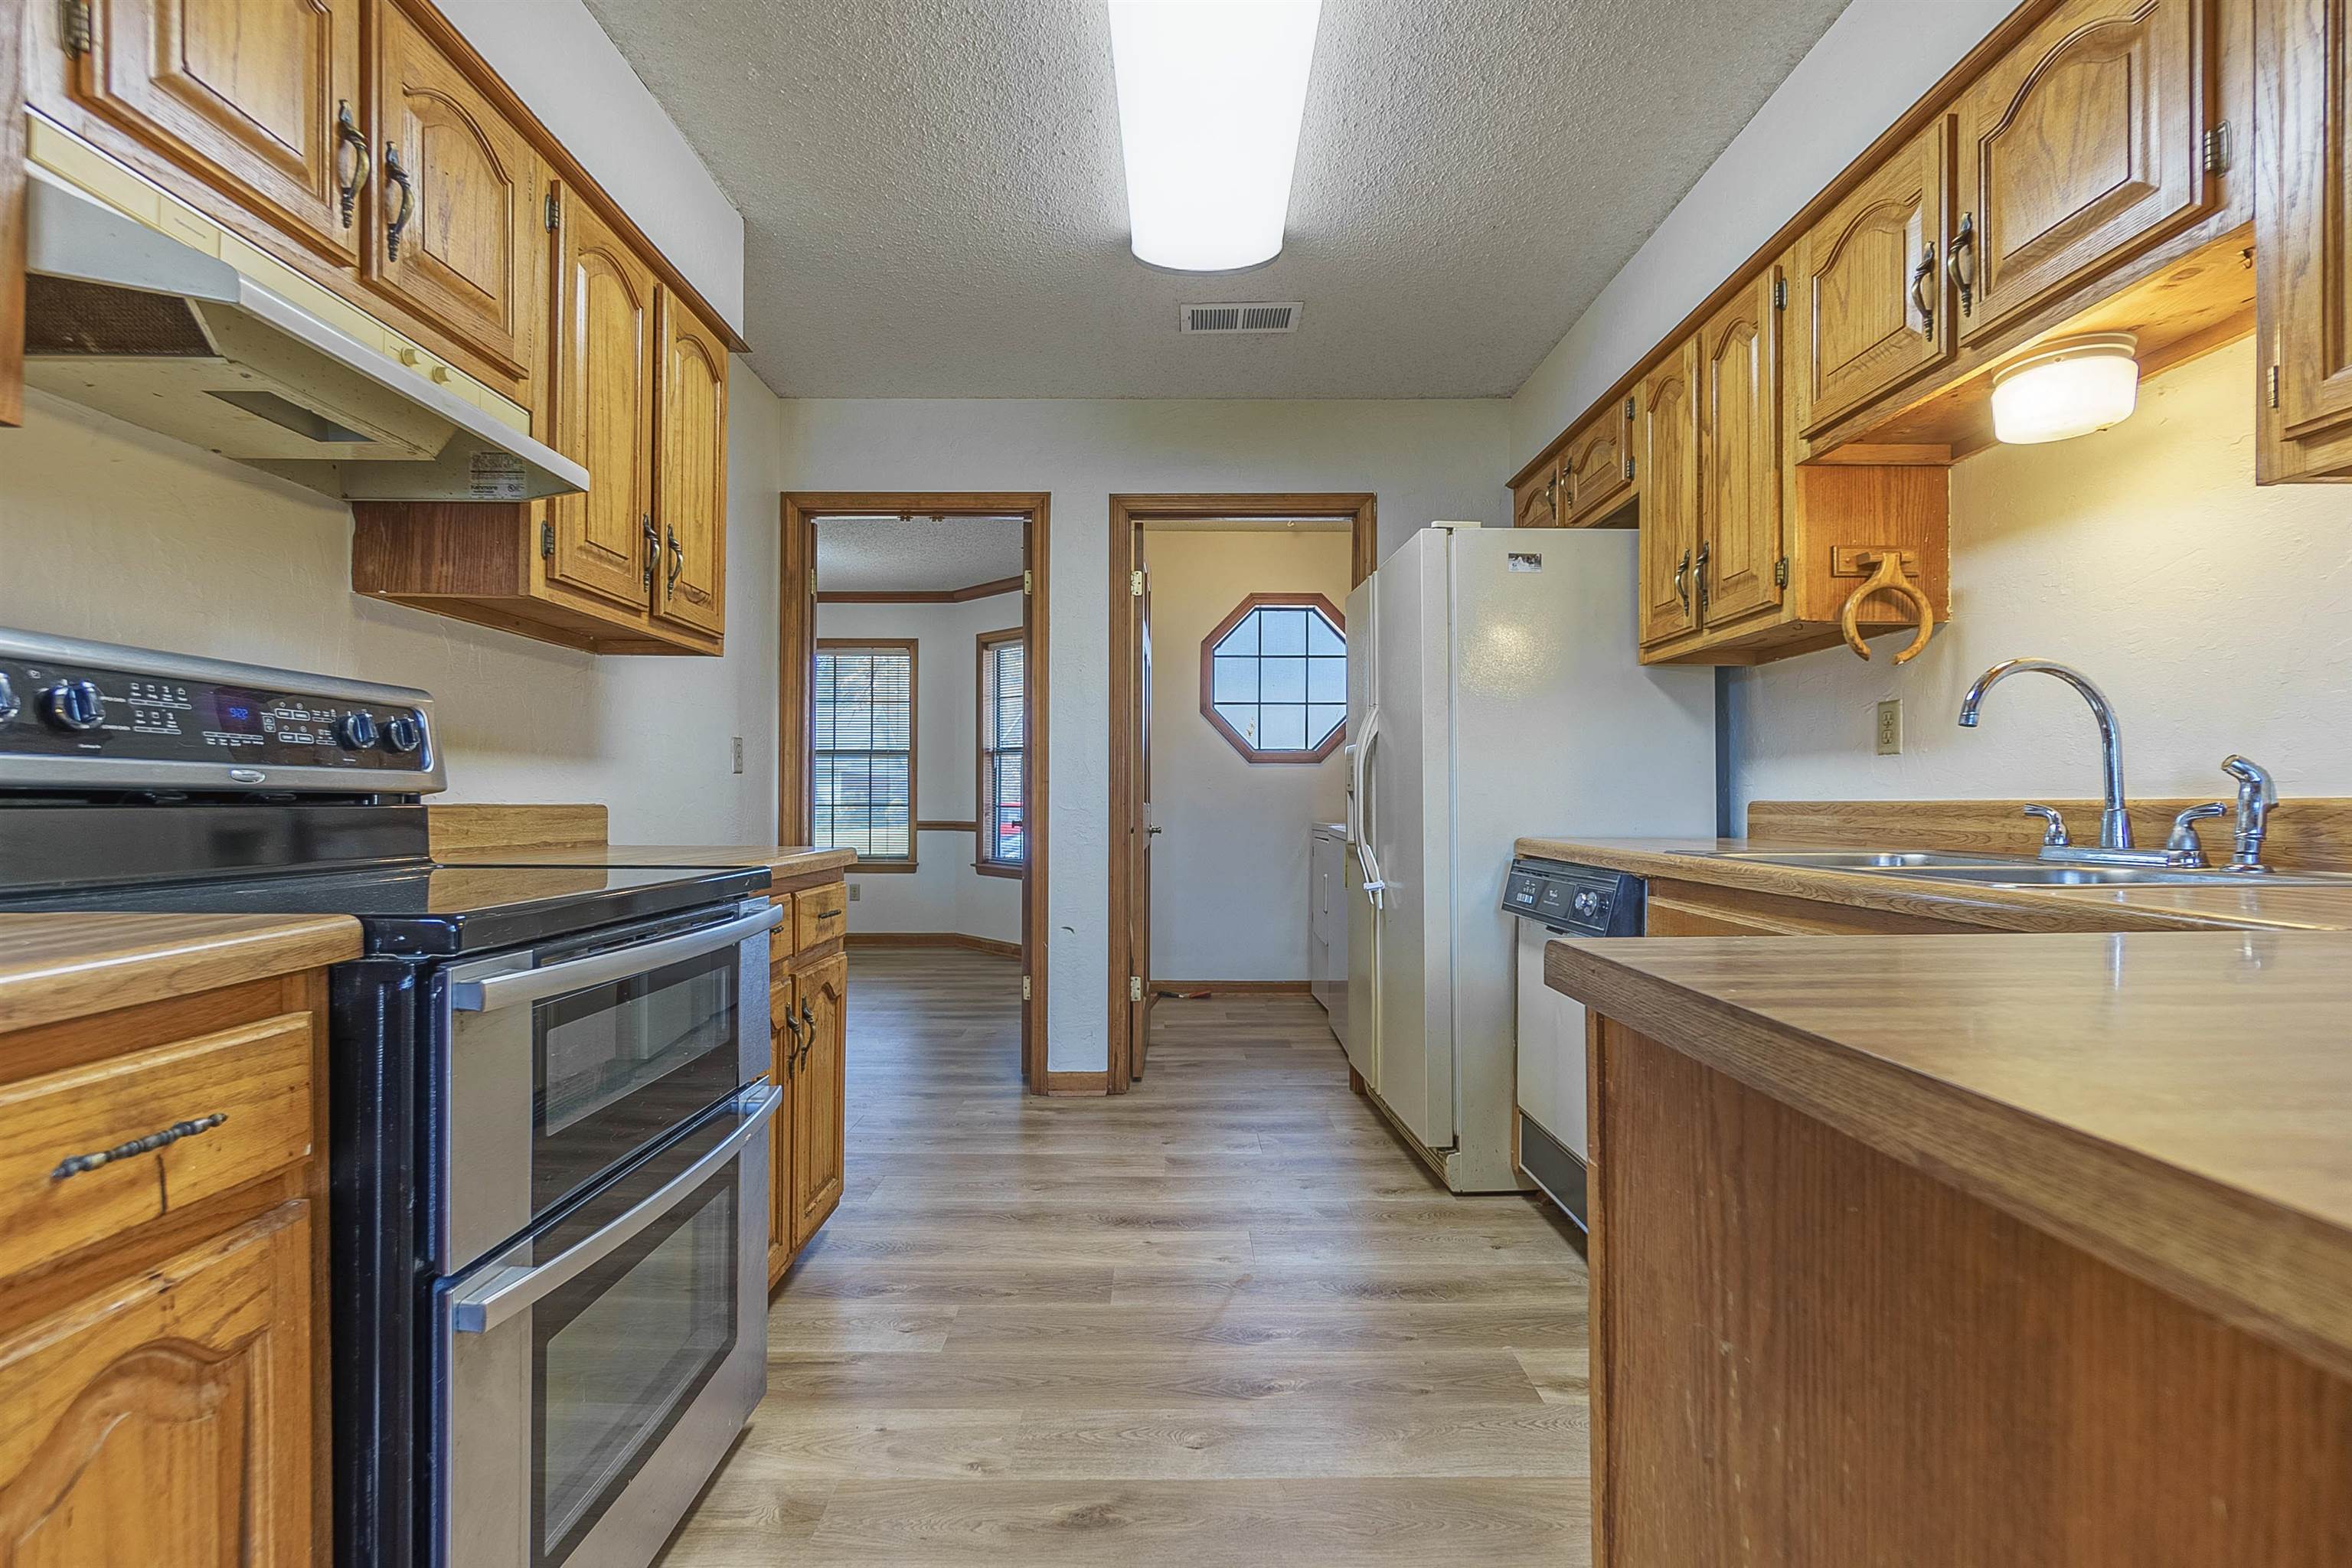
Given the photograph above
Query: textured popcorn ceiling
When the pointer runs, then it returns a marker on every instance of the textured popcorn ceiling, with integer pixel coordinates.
(917, 554)
(936, 207)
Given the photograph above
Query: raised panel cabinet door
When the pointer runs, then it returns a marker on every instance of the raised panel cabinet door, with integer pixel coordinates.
(1535, 502)
(1873, 277)
(604, 412)
(456, 229)
(168, 1419)
(1665, 435)
(690, 476)
(819, 1103)
(2080, 146)
(785, 1042)
(1739, 456)
(2304, 216)
(1594, 475)
(260, 98)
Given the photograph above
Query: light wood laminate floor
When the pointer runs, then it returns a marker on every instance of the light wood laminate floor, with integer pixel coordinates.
(1223, 1319)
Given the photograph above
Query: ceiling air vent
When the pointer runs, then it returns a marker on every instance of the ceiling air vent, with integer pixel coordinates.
(1280, 316)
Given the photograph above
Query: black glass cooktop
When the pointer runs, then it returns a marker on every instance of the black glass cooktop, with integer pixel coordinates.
(423, 909)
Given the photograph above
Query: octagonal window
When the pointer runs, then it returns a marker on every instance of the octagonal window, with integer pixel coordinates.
(1274, 678)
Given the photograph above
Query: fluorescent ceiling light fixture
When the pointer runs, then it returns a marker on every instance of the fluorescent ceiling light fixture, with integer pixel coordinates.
(2069, 388)
(1211, 93)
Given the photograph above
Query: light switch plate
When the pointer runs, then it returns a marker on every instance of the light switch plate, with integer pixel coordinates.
(856, 892)
(1890, 727)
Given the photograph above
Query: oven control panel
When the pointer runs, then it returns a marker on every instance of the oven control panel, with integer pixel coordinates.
(86, 715)
(1575, 900)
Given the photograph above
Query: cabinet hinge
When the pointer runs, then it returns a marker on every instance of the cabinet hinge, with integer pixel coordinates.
(1028, 581)
(1025, 988)
(811, 582)
(1134, 585)
(1629, 468)
(74, 24)
(2273, 379)
(546, 541)
(1629, 410)
(1780, 573)
(554, 212)
(2217, 148)
(1779, 293)
(1135, 987)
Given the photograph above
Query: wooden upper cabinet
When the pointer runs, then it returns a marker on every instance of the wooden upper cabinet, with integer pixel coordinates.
(690, 476)
(604, 393)
(1665, 436)
(259, 99)
(819, 1107)
(456, 227)
(1596, 470)
(2304, 239)
(1874, 310)
(2081, 145)
(1535, 503)
(1739, 454)
(12, 214)
(168, 1419)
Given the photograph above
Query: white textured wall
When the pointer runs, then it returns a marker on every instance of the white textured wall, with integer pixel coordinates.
(1228, 869)
(1877, 59)
(108, 531)
(1425, 459)
(559, 61)
(943, 893)
(2210, 612)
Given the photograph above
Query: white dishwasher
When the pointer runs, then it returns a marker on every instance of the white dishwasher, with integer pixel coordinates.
(1327, 921)
(1553, 898)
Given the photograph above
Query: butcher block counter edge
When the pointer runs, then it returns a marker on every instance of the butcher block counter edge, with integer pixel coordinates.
(54, 967)
(2028, 909)
(2173, 1103)
(782, 861)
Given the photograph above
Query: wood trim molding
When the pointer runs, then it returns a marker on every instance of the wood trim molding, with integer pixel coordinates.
(797, 661)
(559, 163)
(1176, 989)
(1936, 101)
(954, 939)
(1078, 1083)
(1208, 677)
(947, 827)
(988, 590)
(1129, 871)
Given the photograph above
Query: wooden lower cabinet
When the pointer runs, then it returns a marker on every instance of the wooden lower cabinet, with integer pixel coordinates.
(168, 1417)
(808, 1000)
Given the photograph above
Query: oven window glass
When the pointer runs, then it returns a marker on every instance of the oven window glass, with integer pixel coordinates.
(620, 1064)
(620, 1354)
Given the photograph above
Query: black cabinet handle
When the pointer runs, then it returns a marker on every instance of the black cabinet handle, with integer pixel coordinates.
(351, 159)
(75, 1164)
(398, 175)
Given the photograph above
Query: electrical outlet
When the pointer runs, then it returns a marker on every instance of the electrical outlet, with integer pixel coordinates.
(738, 754)
(1890, 727)
(856, 892)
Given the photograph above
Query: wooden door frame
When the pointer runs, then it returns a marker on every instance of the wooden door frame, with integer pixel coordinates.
(1129, 514)
(796, 665)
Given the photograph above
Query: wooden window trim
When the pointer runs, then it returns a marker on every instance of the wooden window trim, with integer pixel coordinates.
(1250, 753)
(911, 647)
(982, 812)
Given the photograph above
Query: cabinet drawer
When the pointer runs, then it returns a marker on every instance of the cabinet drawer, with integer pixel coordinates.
(822, 913)
(784, 940)
(255, 1078)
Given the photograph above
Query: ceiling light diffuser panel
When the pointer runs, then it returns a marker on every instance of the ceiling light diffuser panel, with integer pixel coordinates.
(1211, 93)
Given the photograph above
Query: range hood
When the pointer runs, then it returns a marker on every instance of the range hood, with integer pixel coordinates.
(129, 321)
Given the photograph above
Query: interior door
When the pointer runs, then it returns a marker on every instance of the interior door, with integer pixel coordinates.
(250, 95)
(1666, 437)
(690, 490)
(2083, 144)
(604, 413)
(455, 220)
(1739, 456)
(1872, 276)
(820, 1111)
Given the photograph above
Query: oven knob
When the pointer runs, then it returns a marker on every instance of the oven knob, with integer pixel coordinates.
(9, 706)
(356, 731)
(74, 705)
(402, 733)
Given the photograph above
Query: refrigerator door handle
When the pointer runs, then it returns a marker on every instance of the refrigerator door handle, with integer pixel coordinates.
(1373, 886)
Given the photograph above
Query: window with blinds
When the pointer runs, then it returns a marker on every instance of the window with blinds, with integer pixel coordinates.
(1003, 772)
(865, 743)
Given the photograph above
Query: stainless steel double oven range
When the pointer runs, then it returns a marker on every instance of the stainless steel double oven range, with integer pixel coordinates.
(549, 1132)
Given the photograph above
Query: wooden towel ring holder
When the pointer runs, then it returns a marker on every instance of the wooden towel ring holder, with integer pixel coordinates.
(1888, 579)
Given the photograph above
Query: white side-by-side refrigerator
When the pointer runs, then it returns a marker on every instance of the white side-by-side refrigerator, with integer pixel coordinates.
(1494, 691)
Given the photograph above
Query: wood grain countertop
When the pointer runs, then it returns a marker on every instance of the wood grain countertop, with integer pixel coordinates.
(2228, 905)
(2177, 1103)
(782, 861)
(54, 967)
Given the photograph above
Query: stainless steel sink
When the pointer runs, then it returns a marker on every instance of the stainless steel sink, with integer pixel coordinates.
(2019, 871)
(1861, 859)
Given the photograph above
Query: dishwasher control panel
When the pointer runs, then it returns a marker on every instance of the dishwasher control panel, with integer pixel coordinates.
(1574, 900)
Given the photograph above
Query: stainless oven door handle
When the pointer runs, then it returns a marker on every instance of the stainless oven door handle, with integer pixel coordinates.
(494, 991)
(505, 1291)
